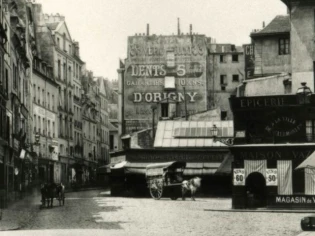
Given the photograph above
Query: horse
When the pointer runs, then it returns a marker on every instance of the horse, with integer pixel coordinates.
(49, 191)
(191, 185)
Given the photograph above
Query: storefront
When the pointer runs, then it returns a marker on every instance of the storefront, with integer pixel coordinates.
(273, 136)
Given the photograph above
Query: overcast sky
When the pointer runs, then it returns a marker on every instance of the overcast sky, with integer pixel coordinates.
(102, 26)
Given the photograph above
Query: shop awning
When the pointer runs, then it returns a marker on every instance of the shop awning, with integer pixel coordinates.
(191, 168)
(226, 165)
(308, 162)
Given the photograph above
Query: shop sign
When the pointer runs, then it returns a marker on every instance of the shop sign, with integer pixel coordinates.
(294, 200)
(44, 113)
(176, 156)
(289, 126)
(239, 177)
(271, 177)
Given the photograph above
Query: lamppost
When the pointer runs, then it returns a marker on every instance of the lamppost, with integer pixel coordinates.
(304, 94)
(153, 107)
(225, 140)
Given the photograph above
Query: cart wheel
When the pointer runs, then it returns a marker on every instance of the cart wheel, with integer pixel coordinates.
(156, 189)
(174, 198)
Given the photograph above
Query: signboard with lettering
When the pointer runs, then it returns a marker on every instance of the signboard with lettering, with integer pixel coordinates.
(176, 155)
(292, 201)
(153, 59)
(249, 54)
(271, 177)
(239, 177)
(39, 111)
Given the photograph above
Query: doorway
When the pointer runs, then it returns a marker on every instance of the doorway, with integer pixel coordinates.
(256, 190)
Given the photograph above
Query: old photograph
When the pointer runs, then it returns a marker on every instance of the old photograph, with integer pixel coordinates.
(157, 117)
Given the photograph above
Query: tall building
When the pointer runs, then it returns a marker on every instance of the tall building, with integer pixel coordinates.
(45, 118)
(6, 161)
(103, 126)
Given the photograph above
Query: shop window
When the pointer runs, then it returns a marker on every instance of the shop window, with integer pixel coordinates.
(298, 179)
(284, 46)
(235, 58)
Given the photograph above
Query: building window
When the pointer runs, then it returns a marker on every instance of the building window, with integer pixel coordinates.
(223, 115)
(223, 80)
(235, 78)
(222, 59)
(59, 70)
(58, 42)
(164, 109)
(284, 46)
(235, 58)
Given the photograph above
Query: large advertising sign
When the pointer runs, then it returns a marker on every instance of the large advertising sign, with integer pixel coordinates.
(249, 52)
(164, 68)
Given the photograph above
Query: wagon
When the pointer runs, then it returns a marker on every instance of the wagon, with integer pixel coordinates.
(165, 179)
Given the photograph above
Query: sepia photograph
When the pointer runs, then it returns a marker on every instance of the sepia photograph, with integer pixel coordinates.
(157, 117)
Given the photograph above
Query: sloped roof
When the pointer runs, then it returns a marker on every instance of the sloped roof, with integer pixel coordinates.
(280, 24)
(186, 134)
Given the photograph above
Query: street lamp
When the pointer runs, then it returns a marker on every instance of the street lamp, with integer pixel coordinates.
(304, 94)
(153, 107)
(214, 131)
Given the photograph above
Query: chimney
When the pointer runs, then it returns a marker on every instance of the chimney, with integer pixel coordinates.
(148, 29)
(178, 27)
(190, 29)
(263, 24)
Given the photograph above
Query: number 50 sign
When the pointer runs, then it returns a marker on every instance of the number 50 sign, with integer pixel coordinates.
(271, 177)
(239, 177)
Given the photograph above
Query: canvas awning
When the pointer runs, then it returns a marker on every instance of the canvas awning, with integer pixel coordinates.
(308, 162)
(191, 168)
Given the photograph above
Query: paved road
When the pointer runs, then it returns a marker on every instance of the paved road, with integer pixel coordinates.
(96, 213)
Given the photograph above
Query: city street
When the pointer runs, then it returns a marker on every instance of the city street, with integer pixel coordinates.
(95, 212)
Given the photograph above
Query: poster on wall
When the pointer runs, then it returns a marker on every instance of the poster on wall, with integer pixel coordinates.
(271, 177)
(239, 177)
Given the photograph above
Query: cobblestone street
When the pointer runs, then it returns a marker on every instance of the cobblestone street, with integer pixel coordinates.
(97, 211)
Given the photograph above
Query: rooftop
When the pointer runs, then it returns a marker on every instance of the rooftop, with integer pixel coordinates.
(280, 24)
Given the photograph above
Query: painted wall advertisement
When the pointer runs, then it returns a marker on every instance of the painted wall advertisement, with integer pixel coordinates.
(249, 52)
(239, 177)
(154, 59)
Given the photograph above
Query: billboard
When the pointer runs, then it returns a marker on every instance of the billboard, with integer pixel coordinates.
(164, 68)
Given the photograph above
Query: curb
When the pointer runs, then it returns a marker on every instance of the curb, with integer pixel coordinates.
(261, 210)
(8, 228)
(82, 189)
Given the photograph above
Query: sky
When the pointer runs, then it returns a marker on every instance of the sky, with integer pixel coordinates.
(102, 26)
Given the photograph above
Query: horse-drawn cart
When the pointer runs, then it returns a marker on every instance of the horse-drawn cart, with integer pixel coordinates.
(165, 179)
(51, 191)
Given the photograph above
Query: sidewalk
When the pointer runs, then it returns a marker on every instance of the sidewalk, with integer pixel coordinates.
(22, 211)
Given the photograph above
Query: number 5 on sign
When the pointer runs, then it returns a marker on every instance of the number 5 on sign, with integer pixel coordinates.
(239, 177)
(271, 177)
